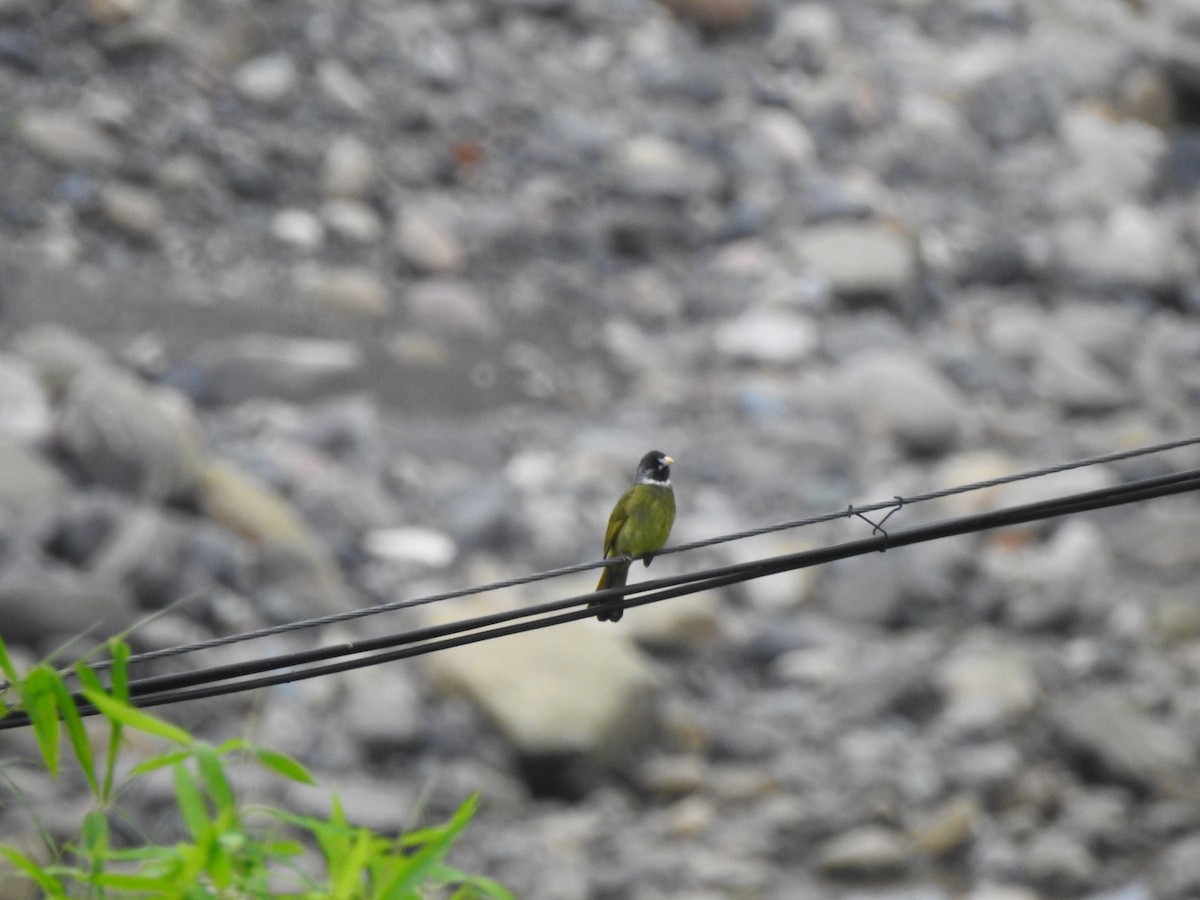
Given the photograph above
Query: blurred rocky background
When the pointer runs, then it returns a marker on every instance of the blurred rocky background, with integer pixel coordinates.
(311, 305)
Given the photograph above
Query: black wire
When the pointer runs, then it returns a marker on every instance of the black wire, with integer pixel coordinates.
(892, 504)
(217, 681)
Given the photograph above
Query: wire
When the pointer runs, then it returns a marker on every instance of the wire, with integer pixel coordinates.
(893, 504)
(235, 678)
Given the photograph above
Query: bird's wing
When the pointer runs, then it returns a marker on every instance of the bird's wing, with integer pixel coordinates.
(620, 515)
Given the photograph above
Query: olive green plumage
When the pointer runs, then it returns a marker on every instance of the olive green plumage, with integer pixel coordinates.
(640, 523)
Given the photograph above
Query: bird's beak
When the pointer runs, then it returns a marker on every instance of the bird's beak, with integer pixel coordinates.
(668, 461)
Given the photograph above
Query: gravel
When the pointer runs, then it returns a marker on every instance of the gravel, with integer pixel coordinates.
(310, 307)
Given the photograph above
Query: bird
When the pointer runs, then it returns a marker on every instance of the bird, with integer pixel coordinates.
(639, 525)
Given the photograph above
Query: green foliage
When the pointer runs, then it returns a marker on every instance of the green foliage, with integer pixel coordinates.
(223, 855)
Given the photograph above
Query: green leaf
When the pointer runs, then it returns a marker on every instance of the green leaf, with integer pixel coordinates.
(131, 717)
(118, 650)
(191, 805)
(213, 774)
(89, 680)
(95, 833)
(152, 885)
(40, 697)
(471, 885)
(77, 734)
(154, 763)
(284, 765)
(47, 882)
(424, 862)
(6, 665)
(95, 841)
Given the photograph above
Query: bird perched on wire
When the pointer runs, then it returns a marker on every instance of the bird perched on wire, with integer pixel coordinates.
(639, 525)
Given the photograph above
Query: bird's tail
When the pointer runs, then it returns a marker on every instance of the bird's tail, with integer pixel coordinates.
(612, 576)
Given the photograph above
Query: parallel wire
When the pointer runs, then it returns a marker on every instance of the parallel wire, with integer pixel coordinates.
(235, 678)
(892, 504)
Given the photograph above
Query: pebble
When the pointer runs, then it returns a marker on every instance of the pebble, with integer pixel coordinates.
(767, 338)
(578, 694)
(1107, 731)
(351, 290)
(1180, 869)
(411, 544)
(859, 258)
(428, 245)
(25, 413)
(298, 228)
(899, 396)
(869, 851)
(268, 80)
(821, 252)
(129, 435)
(28, 482)
(349, 169)
(658, 168)
(1058, 862)
(343, 87)
(450, 307)
(69, 139)
(352, 221)
(45, 604)
(986, 688)
(57, 354)
(235, 369)
(133, 211)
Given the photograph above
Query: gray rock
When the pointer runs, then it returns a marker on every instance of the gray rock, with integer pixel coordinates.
(1045, 586)
(1117, 160)
(57, 354)
(806, 35)
(24, 405)
(353, 290)
(1129, 247)
(349, 169)
(129, 435)
(1069, 377)
(269, 80)
(1159, 536)
(28, 482)
(1178, 869)
(1059, 862)
(1109, 736)
(577, 700)
(1008, 98)
(133, 211)
(69, 139)
(767, 337)
(450, 307)
(866, 852)
(297, 228)
(867, 591)
(428, 244)
(43, 604)
(899, 396)
(352, 221)
(384, 714)
(267, 365)
(658, 168)
(300, 569)
(860, 258)
(987, 688)
(343, 87)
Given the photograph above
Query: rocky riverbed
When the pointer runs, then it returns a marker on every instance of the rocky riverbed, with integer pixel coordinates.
(309, 306)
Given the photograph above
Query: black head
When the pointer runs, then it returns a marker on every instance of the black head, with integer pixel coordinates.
(655, 467)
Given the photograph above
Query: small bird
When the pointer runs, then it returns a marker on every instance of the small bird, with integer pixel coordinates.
(639, 525)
